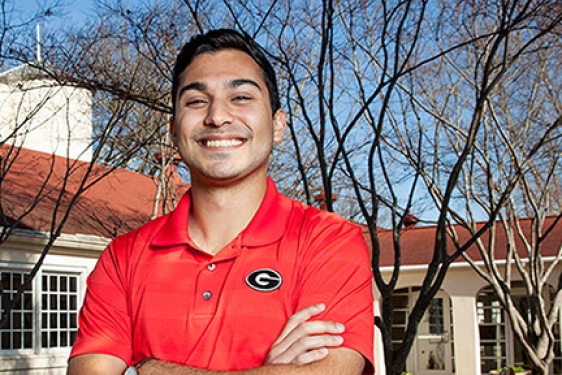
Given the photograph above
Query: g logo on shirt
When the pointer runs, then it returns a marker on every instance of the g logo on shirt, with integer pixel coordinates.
(264, 280)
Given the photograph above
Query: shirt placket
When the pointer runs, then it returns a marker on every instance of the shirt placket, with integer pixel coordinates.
(211, 279)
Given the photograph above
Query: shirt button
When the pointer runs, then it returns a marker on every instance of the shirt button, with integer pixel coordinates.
(211, 267)
(207, 295)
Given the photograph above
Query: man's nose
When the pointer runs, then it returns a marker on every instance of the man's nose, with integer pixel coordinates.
(218, 114)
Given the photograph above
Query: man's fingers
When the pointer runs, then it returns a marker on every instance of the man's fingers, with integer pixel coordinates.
(302, 338)
(303, 341)
(300, 317)
(311, 356)
(305, 349)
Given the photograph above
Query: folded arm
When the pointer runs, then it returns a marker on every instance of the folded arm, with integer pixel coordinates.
(301, 348)
(340, 361)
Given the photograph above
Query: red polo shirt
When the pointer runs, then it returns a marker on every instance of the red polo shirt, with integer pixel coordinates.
(153, 294)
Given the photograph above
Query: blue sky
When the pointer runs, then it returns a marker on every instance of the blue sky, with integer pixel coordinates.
(75, 11)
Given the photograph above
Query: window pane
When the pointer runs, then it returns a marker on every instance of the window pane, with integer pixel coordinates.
(26, 279)
(53, 302)
(397, 333)
(63, 302)
(17, 340)
(73, 303)
(44, 283)
(28, 339)
(399, 318)
(400, 301)
(490, 364)
(6, 281)
(27, 301)
(28, 320)
(6, 340)
(53, 321)
(60, 323)
(16, 281)
(63, 283)
(16, 320)
(53, 342)
(63, 339)
(5, 298)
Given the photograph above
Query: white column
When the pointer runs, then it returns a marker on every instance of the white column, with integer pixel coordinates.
(380, 368)
(466, 335)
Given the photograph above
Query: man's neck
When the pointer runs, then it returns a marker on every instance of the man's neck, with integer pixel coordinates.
(219, 213)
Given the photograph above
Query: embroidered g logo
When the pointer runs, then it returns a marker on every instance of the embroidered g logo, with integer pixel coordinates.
(264, 280)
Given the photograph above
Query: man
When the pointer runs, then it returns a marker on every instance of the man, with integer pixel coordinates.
(238, 279)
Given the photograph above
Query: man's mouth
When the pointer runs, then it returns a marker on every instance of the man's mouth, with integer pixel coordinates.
(222, 142)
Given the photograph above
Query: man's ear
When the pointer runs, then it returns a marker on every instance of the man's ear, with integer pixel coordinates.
(279, 125)
(173, 130)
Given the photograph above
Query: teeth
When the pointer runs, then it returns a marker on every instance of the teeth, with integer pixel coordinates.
(223, 143)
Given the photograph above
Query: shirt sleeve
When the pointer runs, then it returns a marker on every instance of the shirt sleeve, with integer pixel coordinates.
(104, 323)
(336, 271)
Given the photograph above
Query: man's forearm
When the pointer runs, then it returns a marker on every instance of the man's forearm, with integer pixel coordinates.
(165, 368)
(340, 361)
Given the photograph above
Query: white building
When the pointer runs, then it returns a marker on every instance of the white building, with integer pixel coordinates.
(465, 331)
(44, 126)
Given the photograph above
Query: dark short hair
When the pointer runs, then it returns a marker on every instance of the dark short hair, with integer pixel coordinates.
(218, 40)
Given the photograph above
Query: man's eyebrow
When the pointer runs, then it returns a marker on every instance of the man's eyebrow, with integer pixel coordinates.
(195, 86)
(232, 84)
(242, 81)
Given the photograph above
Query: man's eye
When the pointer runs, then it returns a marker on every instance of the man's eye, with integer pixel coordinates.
(242, 98)
(194, 102)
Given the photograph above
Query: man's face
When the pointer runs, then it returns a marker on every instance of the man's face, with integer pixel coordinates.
(223, 124)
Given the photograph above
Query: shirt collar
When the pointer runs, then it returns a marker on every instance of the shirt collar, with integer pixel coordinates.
(267, 226)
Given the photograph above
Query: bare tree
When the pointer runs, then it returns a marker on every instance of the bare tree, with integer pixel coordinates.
(493, 154)
(46, 108)
(514, 175)
(398, 107)
(395, 99)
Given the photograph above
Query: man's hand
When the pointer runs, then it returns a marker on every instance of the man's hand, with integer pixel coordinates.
(303, 341)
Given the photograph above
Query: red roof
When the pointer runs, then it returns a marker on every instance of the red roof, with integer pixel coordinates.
(120, 201)
(417, 243)
(123, 200)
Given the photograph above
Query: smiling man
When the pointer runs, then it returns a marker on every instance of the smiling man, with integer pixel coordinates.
(239, 279)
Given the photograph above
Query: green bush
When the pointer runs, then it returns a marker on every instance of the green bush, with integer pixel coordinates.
(514, 368)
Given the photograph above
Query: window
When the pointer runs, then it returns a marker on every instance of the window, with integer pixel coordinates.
(433, 349)
(46, 317)
(59, 310)
(19, 334)
(498, 345)
(491, 320)
(401, 301)
(436, 320)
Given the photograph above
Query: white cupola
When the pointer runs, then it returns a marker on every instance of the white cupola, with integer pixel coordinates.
(39, 113)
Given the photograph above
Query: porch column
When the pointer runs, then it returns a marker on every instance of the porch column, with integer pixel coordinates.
(380, 367)
(466, 335)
